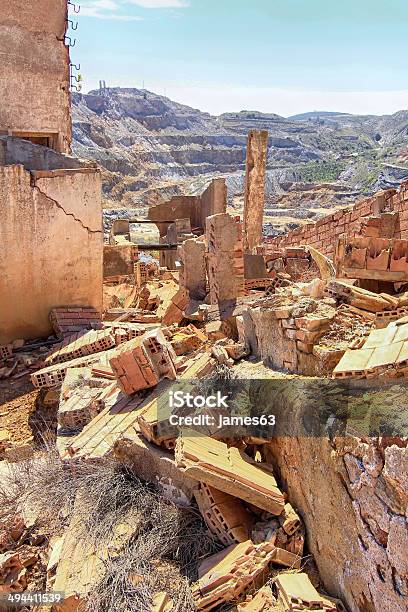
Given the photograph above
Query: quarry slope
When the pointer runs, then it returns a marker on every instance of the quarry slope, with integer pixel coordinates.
(151, 148)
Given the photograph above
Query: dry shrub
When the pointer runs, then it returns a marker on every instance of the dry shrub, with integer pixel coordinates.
(165, 543)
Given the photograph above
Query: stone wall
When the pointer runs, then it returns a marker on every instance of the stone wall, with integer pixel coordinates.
(323, 234)
(352, 496)
(34, 71)
(52, 246)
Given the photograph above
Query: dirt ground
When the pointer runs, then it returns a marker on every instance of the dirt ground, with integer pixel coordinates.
(24, 420)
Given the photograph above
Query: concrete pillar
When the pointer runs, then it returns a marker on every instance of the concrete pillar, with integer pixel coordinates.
(219, 196)
(257, 149)
(193, 270)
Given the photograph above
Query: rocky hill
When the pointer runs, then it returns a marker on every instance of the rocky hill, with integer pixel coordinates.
(151, 147)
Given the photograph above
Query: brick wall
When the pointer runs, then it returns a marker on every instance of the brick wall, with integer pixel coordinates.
(323, 234)
(400, 205)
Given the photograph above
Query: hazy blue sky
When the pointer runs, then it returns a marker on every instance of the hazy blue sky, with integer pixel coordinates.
(283, 56)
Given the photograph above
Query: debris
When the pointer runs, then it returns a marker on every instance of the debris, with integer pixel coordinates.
(226, 516)
(55, 374)
(355, 296)
(80, 345)
(385, 351)
(139, 363)
(289, 520)
(295, 591)
(262, 601)
(229, 470)
(230, 574)
(187, 339)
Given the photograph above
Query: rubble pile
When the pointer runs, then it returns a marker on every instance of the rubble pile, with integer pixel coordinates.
(23, 556)
(132, 356)
(223, 296)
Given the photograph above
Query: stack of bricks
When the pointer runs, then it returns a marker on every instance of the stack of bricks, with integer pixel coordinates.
(323, 234)
(306, 332)
(68, 320)
(139, 363)
(80, 345)
(225, 260)
(289, 340)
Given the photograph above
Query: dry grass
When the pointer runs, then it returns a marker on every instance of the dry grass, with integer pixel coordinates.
(165, 543)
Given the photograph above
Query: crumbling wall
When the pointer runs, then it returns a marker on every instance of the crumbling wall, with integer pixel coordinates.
(179, 207)
(52, 246)
(193, 271)
(213, 200)
(352, 497)
(197, 208)
(323, 234)
(400, 205)
(224, 257)
(34, 71)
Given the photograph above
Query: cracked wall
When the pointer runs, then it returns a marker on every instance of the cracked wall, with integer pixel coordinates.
(34, 70)
(352, 494)
(52, 246)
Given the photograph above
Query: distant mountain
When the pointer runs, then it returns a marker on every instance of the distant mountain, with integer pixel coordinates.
(317, 115)
(151, 147)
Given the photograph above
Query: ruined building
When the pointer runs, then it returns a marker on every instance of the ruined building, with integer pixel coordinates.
(315, 500)
(50, 203)
(34, 73)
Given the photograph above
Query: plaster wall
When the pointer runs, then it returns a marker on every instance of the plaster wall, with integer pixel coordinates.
(52, 246)
(34, 71)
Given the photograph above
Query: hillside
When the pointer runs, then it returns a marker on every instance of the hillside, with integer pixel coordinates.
(152, 147)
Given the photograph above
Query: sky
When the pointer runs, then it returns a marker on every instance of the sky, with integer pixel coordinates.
(277, 56)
